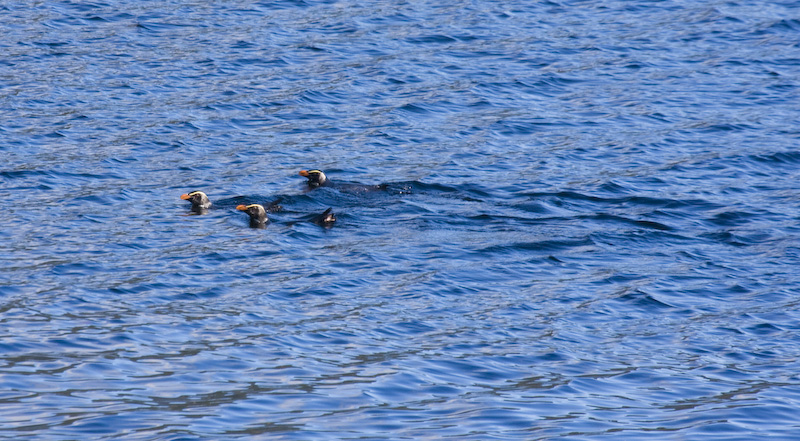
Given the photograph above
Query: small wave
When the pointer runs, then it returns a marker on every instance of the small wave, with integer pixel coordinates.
(544, 246)
(431, 39)
(635, 222)
(629, 201)
(778, 158)
(644, 300)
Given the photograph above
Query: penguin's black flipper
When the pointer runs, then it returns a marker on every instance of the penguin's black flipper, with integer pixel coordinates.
(274, 206)
(326, 219)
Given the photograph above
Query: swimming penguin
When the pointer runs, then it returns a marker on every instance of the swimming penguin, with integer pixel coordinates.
(318, 179)
(258, 216)
(199, 200)
(326, 219)
(315, 178)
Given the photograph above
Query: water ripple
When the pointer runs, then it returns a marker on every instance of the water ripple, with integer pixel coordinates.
(553, 220)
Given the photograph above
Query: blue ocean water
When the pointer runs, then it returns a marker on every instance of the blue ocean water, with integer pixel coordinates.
(556, 220)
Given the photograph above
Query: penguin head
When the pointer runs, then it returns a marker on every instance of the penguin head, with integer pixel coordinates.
(256, 212)
(315, 177)
(198, 199)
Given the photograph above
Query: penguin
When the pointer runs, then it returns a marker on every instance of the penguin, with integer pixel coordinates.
(258, 216)
(315, 178)
(326, 219)
(199, 200)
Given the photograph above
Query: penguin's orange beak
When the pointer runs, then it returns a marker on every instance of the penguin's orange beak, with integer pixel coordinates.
(241, 208)
(185, 197)
(304, 173)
